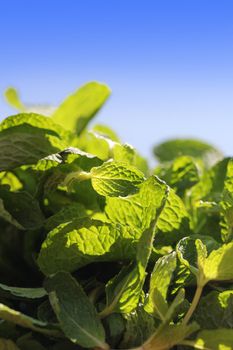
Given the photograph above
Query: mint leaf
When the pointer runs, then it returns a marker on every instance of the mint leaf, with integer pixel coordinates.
(12, 97)
(218, 265)
(76, 314)
(218, 339)
(215, 310)
(106, 131)
(84, 241)
(20, 319)
(78, 109)
(26, 138)
(124, 290)
(187, 250)
(171, 149)
(20, 209)
(169, 335)
(30, 293)
(173, 223)
(139, 327)
(66, 214)
(115, 179)
(159, 283)
(181, 174)
(131, 210)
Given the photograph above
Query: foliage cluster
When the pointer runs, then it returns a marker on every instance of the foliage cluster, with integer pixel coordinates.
(99, 251)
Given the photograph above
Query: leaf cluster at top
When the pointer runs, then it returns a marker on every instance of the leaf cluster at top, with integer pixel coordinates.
(99, 251)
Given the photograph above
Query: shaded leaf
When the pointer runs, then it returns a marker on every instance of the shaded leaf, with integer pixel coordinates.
(76, 315)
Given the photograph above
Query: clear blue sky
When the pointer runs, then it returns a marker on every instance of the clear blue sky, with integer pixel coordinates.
(169, 62)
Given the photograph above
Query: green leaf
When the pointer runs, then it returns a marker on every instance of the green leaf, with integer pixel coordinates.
(115, 179)
(27, 342)
(226, 205)
(173, 223)
(76, 315)
(169, 335)
(83, 241)
(78, 109)
(215, 310)
(206, 198)
(124, 290)
(218, 266)
(24, 140)
(218, 339)
(105, 131)
(30, 293)
(7, 344)
(12, 97)
(114, 325)
(20, 209)
(187, 250)
(66, 214)
(139, 327)
(20, 319)
(171, 149)
(182, 174)
(159, 283)
(131, 210)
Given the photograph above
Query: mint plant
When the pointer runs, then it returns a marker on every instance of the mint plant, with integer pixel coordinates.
(98, 251)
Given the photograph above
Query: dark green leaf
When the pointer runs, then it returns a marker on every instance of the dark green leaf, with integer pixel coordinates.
(76, 314)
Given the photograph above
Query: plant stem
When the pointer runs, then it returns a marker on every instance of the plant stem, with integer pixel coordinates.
(105, 312)
(194, 303)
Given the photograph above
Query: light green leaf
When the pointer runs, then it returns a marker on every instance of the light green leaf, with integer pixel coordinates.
(7, 344)
(76, 315)
(181, 174)
(171, 149)
(83, 241)
(218, 265)
(105, 131)
(169, 335)
(78, 109)
(173, 223)
(31, 293)
(8, 314)
(159, 283)
(124, 290)
(187, 250)
(116, 179)
(12, 97)
(131, 210)
(36, 120)
(95, 143)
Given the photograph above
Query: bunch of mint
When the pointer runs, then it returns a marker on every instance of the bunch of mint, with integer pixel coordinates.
(99, 251)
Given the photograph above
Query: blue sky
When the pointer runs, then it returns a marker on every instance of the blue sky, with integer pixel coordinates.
(169, 63)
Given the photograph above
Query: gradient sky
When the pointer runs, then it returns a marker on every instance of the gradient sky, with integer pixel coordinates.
(169, 63)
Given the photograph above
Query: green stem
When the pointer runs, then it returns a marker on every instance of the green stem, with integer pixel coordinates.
(193, 305)
(106, 312)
